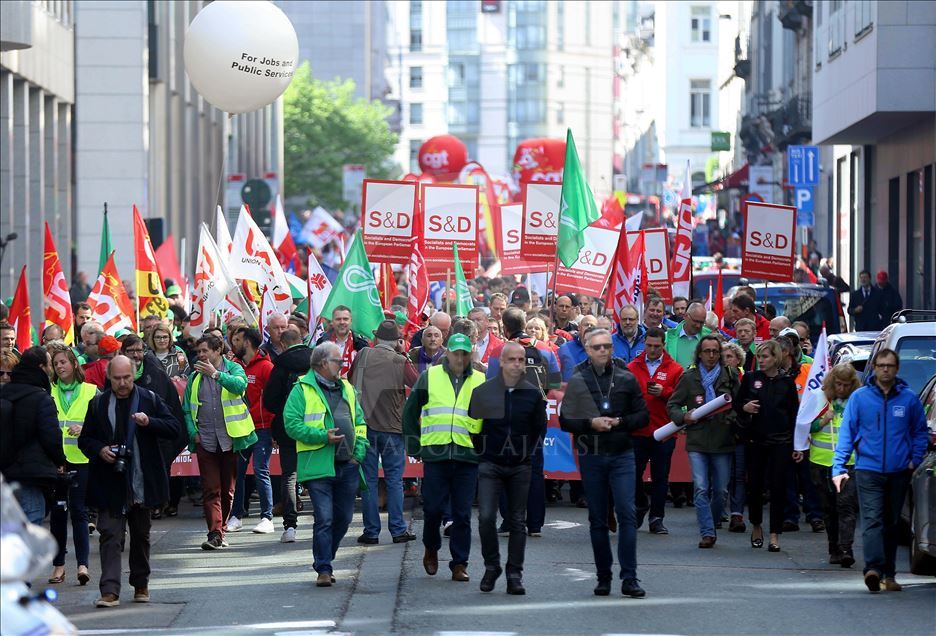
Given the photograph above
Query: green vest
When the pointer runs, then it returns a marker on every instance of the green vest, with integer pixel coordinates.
(822, 442)
(445, 417)
(316, 409)
(237, 420)
(74, 415)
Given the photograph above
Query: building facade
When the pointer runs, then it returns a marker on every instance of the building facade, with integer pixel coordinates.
(37, 97)
(874, 87)
(496, 73)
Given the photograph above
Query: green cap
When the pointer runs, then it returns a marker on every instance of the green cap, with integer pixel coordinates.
(173, 290)
(459, 342)
(122, 332)
(400, 318)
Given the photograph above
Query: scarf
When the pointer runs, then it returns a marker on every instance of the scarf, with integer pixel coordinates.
(138, 372)
(65, 393)
(708, 380)
(425, 360)
(347, 357)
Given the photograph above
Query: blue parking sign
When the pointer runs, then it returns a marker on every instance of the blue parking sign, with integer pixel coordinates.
(803, 165)
(805, 215)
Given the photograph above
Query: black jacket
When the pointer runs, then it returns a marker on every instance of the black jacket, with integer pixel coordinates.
(891, 303)
(358, 342)
(34, 430)
(157, 380)
(582, 402)
(514, 421)
(107, 489)
(287, 368)
(869, 319)
(779, 402)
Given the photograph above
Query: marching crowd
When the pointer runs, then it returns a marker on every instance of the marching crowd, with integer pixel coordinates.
(90, 431)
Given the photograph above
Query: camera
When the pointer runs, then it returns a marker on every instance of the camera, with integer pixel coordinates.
(63, 482)
(123, 457)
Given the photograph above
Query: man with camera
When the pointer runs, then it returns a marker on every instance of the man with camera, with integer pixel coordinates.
(127, 477)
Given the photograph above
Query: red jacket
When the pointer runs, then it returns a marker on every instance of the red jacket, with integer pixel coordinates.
(258, 372)
(762, 328)
(96, 372)
(493, 343)
(667, 375)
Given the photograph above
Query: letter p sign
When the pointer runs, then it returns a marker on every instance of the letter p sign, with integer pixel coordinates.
(804, 207)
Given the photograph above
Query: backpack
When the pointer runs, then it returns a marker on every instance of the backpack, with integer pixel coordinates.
(537, 373)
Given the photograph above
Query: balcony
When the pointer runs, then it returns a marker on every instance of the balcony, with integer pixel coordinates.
(792, 122)
(794, 13)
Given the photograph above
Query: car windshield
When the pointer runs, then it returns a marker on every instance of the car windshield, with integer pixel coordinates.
(917, 360)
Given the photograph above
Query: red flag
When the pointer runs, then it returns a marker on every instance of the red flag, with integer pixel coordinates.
(56, 302)
(612, 214)
(150, 298)
(682, 250)
(628, 284)
(388, 285)
(168, 262)
(20, 316)
(418, 280)
(801, 265)
(718, 305)
(283, 244)
(110, 303)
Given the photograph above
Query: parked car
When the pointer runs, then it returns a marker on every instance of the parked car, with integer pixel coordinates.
(852, 347)
(913, 337)
(813, 304)
(920, 508)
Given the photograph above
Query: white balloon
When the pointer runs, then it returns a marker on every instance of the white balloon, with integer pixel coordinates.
(240, 56)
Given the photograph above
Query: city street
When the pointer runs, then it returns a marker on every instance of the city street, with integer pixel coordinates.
(260, 586)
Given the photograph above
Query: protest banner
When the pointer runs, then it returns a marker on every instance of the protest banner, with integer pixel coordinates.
(656, 256)
(682, 250)
(589, 273)
(768, 249)
(388, 210)
(541, 204)
(509, 240)
(450, 215)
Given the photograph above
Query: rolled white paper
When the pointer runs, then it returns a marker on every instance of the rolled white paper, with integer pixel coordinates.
(720, 403)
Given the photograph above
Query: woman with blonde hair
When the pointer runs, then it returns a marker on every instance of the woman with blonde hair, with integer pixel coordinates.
(172, 357)
(71, 395)
(839, 510)
(536, 329)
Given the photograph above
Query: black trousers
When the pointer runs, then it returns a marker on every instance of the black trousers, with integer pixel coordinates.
(768, 464)
(839, 510)
(515, 481)
(113, 529)
(287, 454)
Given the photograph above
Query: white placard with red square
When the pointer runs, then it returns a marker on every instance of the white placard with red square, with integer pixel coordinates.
(768, 250)
(589, 273)
(656, 256)
(450, 215)
(388, 212)
(508, 241)
(541, 204)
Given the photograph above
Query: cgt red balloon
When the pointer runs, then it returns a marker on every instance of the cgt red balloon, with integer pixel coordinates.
(443, 157)
(539, 160)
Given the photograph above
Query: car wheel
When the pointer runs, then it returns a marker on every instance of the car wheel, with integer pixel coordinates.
(921, 563)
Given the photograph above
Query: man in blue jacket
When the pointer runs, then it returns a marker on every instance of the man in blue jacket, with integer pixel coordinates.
(629, 337)
(572, 353)
(885, 425)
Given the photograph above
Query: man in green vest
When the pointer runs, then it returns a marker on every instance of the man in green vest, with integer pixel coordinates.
(437, 429)
(219, 425)
(323, 415)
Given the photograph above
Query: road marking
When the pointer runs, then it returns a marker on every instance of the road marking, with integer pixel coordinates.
(320, 627)
(562, 525)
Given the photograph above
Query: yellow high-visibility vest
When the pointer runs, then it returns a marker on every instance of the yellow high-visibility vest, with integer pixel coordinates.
(445, 416)
(74, 415)
(316, 410)
(237, 420)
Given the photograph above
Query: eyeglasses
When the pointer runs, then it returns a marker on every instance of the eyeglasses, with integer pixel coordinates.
(133, 350)
(9, 373)
(600, 347)
(163, 337)
(693, 320)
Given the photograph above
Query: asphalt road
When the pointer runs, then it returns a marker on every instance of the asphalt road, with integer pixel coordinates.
(259, 586)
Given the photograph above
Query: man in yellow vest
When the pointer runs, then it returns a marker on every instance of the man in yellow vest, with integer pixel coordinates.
(219, 425)
(437, 429)
(323, 415)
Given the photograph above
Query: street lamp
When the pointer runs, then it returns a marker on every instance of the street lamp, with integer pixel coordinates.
(12, 236)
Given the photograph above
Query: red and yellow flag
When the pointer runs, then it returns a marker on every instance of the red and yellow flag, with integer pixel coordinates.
(388, 286)
(150, 297)
(20, 315)
(110, 303)
(57, 309)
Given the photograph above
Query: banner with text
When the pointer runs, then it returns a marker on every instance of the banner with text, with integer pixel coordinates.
(656, 256)
(541, 204)
(768, 250)
(681, 266)
(508, 240)
(389, 208)
(589, 273)
(450, 215)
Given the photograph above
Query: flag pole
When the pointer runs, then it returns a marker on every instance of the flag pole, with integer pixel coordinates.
(448, 286)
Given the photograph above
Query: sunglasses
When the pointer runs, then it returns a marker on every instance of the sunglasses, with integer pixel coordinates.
(600, 347)
(9, 373)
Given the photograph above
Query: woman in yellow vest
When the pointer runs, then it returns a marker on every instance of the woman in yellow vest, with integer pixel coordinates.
(72, 396)
(839, 510)
(323, 415)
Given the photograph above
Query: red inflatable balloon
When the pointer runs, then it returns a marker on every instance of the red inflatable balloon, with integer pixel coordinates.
(539, 160)
(443, 157)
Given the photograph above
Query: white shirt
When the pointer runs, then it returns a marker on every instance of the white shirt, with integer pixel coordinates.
(653, 365)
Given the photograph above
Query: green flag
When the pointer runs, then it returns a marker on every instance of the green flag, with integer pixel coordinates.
(577, 210)
(106, 246)
(356, 289)
(463, 302)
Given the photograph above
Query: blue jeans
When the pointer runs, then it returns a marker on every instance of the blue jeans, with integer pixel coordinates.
(604, 476)
(710, 473)
(738, 484)
(260, 452)
(389, 448)
(333, 506)
(454, 482)
(880, 499)
(32, 500)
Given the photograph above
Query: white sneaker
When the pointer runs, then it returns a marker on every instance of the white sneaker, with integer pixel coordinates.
(264, 527)
(289, 536)
(234, 525)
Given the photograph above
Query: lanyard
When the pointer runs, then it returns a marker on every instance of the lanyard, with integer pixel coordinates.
(605, 400)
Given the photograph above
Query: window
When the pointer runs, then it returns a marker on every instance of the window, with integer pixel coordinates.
(415, 77)
(463, 113)
(701, 24)
(415, 25)
(700, 94)
(863, 19)
(414, 146)
(416, 113)
(560, 77)
(560, 25)
(836, 27)
(526, 73)
(461, 24)
(560, 114)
